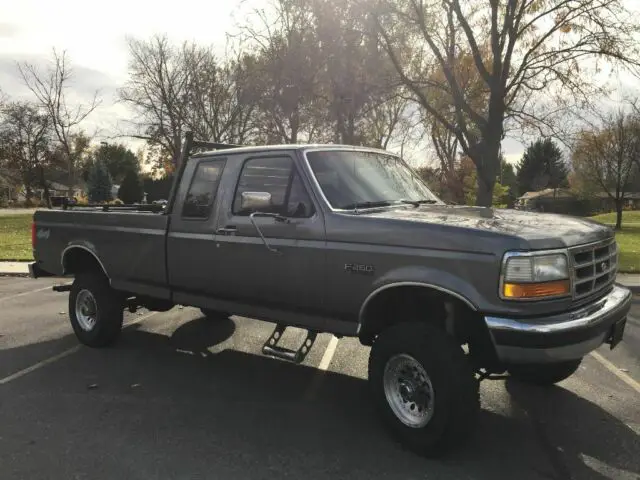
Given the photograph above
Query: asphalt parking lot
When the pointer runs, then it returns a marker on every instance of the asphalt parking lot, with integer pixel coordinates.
(185, 397)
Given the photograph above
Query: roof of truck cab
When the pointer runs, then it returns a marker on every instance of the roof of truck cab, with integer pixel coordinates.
(291, 147)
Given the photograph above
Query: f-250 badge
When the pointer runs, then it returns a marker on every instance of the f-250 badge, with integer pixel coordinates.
(359, 268)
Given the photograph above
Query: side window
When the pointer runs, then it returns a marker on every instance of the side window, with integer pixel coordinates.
(299, 204)
(270, 175)
(203, 189)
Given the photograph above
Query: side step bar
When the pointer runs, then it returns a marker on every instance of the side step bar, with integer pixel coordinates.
(272, 349)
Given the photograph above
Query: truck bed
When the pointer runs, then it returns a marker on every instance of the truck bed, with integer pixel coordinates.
(131, 245)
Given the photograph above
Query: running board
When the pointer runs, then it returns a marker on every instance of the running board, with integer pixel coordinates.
(271, 348)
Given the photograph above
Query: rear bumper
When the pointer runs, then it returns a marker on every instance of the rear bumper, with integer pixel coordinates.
(566, 336)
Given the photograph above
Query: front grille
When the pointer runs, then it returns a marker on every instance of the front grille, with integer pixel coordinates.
(594, 267)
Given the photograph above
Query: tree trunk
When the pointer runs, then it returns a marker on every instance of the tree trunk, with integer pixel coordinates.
(295, 126)
(619, 214)
(487, 163)
(28, 193)
(484, 197)
(45, 187)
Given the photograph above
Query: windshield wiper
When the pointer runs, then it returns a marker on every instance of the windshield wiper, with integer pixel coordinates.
(383, 203)
(417, 203)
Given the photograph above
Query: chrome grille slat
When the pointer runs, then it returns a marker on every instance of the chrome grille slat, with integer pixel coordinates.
(593, 267)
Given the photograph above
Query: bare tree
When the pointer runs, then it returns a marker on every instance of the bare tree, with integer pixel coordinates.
(607, 157)
(288, 64)
(26, 137)
(221, 96)
(381, 122)
(157, 90)
(524, 51)
(50, 88)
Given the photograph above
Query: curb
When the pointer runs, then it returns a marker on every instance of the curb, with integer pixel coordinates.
(14, 275)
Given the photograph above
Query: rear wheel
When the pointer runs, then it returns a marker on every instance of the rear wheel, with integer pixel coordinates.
(95, 310)
(546, 373)
(423, 387)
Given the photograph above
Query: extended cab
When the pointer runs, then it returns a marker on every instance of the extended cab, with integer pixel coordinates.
(350, 241)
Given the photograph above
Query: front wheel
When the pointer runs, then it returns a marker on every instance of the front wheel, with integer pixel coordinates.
(423, 387)
(544, 374)
(95, 310)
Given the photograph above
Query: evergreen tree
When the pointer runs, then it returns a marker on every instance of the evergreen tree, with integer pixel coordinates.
(99, 183)
(131, 189)
(542, 166)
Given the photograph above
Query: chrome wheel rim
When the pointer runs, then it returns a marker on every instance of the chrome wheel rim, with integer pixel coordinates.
(86, 310)
(408, 390)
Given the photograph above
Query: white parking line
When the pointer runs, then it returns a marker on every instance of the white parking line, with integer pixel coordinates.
(9, 297)
(38, 365)
(328, 354)
(616, 371)
(59, 356)
(311, 391)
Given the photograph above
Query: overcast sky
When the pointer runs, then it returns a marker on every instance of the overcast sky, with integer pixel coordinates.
(94, 38)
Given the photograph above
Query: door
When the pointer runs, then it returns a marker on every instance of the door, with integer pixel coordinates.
(288, 271)
(191, 249)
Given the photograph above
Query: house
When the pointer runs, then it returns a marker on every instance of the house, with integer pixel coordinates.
(537, 201)
(565, 201)
(7, 187)
(631, 201)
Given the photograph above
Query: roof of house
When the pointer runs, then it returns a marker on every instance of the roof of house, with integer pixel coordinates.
(547, 193)
(627, 195)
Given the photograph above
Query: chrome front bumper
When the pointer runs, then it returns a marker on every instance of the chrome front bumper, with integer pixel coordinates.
(566, 336)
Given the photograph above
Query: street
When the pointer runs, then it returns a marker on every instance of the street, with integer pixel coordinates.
(182, 396)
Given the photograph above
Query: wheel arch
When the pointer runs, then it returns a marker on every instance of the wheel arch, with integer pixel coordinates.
(80, 259)
(448, 309)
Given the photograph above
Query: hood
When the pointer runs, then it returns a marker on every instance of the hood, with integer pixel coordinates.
(539, 230)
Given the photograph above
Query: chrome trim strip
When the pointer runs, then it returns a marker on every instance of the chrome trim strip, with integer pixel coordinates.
(82, 247)
(410, 284)
(618, 299)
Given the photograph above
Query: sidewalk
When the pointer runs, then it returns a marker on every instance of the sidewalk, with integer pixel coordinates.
(19, 269)
(14, 269)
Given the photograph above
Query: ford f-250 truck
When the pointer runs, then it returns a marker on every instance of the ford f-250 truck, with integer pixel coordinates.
(350, 241)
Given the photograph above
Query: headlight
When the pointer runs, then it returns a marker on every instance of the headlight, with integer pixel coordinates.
(535, 275)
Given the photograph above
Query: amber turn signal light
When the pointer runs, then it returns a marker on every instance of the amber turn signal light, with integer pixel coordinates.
(535, 290)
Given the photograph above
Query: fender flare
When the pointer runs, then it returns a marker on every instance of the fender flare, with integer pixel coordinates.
(70, 248)
(421, 277)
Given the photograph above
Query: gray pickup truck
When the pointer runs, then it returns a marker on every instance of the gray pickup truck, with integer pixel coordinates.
(350, 241)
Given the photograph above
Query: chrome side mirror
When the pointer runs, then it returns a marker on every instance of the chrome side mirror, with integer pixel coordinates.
(255, 201)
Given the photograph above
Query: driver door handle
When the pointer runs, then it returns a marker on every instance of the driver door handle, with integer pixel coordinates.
(228, 230)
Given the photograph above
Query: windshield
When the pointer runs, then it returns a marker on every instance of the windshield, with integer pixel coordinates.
(360, 179)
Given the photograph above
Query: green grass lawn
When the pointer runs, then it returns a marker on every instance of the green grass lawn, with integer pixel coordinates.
(15, 237)
(632, 216)
(628, 239)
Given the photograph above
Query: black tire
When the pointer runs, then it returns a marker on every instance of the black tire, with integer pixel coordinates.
(214, 314)
(108, 310)
(544, 374)
(455, 388)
